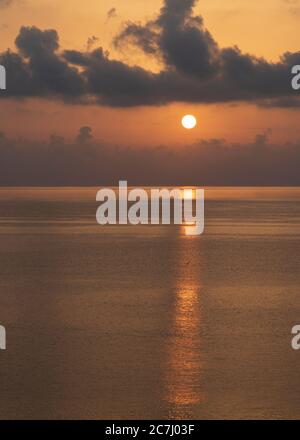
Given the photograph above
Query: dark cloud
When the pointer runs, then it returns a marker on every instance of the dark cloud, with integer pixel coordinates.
(84, 135)
(222, 74)
(184, 42)
(195, 68)
(137, 34)
(178, 36)
(89, 162)
(38, 70)
(115, 83)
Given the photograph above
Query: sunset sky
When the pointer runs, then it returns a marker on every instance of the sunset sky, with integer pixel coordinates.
(231, 70)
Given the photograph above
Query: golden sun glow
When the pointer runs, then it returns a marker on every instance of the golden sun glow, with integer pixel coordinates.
(188, 194)
(189, 122)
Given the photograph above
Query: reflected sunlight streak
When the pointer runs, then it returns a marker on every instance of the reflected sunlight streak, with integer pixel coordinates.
(183, 390)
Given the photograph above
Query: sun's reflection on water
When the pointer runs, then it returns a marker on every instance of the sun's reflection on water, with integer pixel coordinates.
(184, 363)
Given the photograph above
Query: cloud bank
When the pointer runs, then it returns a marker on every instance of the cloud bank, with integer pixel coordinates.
(195, 68)
(88, 162)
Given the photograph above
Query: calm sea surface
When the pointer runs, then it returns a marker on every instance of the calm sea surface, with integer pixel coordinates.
(129, 322)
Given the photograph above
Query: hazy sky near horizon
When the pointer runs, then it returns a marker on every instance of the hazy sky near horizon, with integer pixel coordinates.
(263, 29)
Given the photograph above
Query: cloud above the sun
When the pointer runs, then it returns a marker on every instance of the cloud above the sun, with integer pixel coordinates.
(195, 69)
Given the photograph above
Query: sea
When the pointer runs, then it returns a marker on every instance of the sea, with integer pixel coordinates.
(147, 321)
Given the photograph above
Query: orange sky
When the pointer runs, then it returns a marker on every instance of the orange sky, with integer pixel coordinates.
(267, 28)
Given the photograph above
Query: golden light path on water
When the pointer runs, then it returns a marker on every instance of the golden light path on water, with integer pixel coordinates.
(183, 388)
(188, 227)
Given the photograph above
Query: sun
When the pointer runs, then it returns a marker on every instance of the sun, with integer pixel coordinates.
(189, 122)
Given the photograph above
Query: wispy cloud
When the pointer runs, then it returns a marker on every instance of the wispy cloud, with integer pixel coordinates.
(112, 13)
